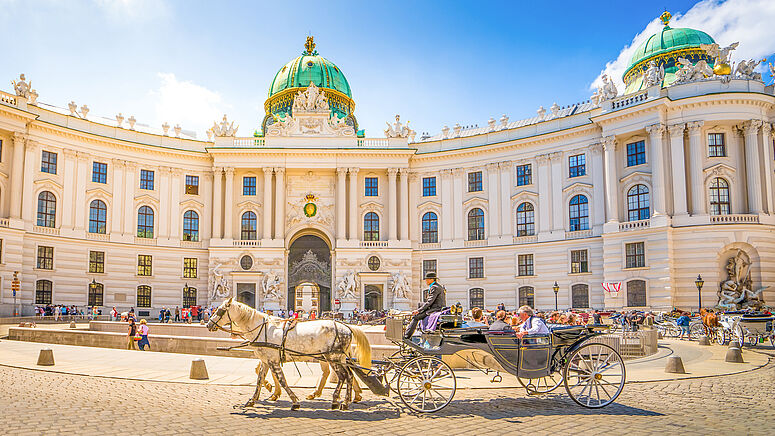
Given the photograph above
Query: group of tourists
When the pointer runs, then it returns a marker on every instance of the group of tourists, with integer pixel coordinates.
(62, 312)
(138, 333)
(185, 315)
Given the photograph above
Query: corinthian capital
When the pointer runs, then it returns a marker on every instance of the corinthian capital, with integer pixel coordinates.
(766, 128)
(596, 148)
(677, 129)
(751, 127)
(695, 127)
(392, 172)
(542, 159)
(655, 129)
(609, 143)
(18, 138)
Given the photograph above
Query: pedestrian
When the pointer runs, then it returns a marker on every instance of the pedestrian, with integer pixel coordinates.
(114, 314)
(167, 315)
(596, 318)
(161, 315)
(683, 323)
(177, 314)
(131, 334)
(142, 330)
(195, 314)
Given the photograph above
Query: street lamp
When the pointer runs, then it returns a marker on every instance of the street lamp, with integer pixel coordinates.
(556, 289)
(699, 282)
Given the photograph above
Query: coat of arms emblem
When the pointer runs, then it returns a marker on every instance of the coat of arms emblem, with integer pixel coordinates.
(310, 208)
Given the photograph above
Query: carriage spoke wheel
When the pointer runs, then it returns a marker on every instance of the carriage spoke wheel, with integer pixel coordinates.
(594, 375)
(426, 384)
(722, 336)
(541, 385)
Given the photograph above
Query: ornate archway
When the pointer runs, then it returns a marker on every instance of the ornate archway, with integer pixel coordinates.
(309, 262)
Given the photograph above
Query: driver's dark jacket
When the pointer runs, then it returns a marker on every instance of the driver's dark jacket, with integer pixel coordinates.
(436, 300)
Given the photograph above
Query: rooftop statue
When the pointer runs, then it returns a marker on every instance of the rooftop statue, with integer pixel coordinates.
(654, 75)
(736, 292)
(398, 130)
(719, 55)
(772, 71)
(225, 128)
(690, 72)
(312, 100)
(21, 87)
(745, 69)
(605, 92)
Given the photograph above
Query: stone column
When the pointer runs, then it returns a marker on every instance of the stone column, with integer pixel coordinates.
(447, 218)
(738, 202)
(506, 183)
(493, 200)
(353, 205)
(341, 198)
(206, 223)
(658, 192)
(457, 205)
(228, 205)
(164, 190)
(176, 218)
(391, 209)
(557, 206)
(217, 201)
(80, 205)
(678, 167)
(695, 167)
(17, 173)
(31, 164)
(611, 179)
(130, 213)
(767, 157)
(279, 206)
(70, 182)
(544, 218)
(598, 185)
(403, 211)
(117, 207)
(753, 165)
(414, 190)
(267, 204)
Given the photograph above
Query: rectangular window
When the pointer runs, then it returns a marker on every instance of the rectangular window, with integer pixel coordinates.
(143, 296)
(144, 265)
(716, 146)
(48, 162)
(189, 268)
(45, 257)
(577, 165)
(636, 153)
(635, 255)
(524, 175)
(476, 268)
(525, 265)
(475, 181)
(146, 179)
(248, 186)
(97, 262)
(99, 173)
(428, 186)
(428, 265)
(371, 187)
(192, 185)
(578, 261)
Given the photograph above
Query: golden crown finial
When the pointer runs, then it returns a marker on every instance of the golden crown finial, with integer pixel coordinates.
(309, 46)
(665, 17)
(310, 197)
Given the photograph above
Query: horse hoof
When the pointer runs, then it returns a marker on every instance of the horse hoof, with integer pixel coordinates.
(250, 403)
(343, 407)
(311, 397)
(334, 406)
(357, 399)
(272, 398)
(295, 407)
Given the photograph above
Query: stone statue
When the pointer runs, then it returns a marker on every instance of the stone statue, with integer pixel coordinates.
(401, 287)
(225, 128)
(719, 55)
(745, 69)
(84, 111)
(21, 87)
(605, 92)
(340, 126)
(772, 71)
(119, 119)
(219, 286)
(736, 292)
(654, 74)
(272, 287)
(690, 72)
(398, 130)
(73, 108)
(311, 99)
(347, 287)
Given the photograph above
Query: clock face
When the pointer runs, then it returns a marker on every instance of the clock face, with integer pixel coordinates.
(246, 262)
(310, 209)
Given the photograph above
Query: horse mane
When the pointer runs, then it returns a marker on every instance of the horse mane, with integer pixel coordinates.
(248, 313)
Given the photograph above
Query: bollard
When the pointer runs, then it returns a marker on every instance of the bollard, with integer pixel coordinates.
(703, 340)
(675, 365)
(46, 357)
(734, 344)
(72, 324)
(734, 355)
(198, 370)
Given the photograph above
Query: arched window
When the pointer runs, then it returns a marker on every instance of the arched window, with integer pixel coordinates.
(579, 213)
(525, 219)
(638, 203)
(579, 296)
(248, 227)
(476, 298)
(475, 224)
(145, 222)
(636, 293)
(371, 227)
(98, 217)
(189, 297)
(47, 209)
(96, 292)
(43, 292)
(143, 296)
(430, 227)
(190, 226)
(527, 296)
(719, 197)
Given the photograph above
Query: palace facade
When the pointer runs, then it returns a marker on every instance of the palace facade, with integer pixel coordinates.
(641, 192)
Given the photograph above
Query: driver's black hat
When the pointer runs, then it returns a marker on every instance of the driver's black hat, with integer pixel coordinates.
(430, 275)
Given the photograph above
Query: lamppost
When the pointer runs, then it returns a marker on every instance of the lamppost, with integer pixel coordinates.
(699, 282)
(556, 289)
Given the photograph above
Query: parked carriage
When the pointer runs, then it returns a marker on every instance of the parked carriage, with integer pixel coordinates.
(750, 328)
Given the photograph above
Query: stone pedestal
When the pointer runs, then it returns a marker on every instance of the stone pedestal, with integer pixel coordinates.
(402, 304)
(348, 306)
(272, 305)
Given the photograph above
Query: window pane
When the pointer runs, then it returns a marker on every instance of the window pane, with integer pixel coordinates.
(475, 224)
(476, 268)
(248, 186)
(371, 187)
(99, 172)
(146, 179)
(430, 228)
(428, 186)
(190, 226)
(98, 215)
(577, 165)
(476, 298)
(371, 227)
(249, 227)
(636, 293)
(580, 296)
(526, 296)
(524, 175)
(192, 185)
(475, 181)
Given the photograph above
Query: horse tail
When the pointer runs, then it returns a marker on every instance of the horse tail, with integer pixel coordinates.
(363, 349)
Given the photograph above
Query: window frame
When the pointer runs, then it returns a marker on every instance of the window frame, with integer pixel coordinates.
(476, 295)
(246, 232)
(191, 226)
(48, 162)
(476, 225)
(371, 187)
(190, 268)
(44, 258)
(370, 220)
(580, 221)
(636, 153)
(143, 227)
(140, 300)
(147, 179)
(99, 172)
(96, 262)
(577, 165)
(47, 214)
(713, 147)
(145, 265)
(430, 233)
(579, 264)
(98, 217)
(476, 267)
(638, 203)
(189, 296)
(529, 296)
(717, 204)
(525, 219)
(96, 294)
(636, 258)
(192, 184)
(249, 184)
(574, 287)
(645, 293)
(429, 186)
(525, 265)
(525, 178)
(49, 293)
(475, 183)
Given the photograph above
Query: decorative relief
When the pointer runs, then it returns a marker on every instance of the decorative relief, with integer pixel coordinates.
(695, 127)
(398, 130)
(225, 128)
(607, 91)
(400, 287)
(271, 287)
(655, 129)
(310, 116)
(300, 212)
(751, 127)
(676, 129)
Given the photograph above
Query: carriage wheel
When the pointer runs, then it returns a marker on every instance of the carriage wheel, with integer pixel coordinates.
(675, 332)
(426, 384)
(772, 341)
(541, 385)
(739, 335)
(722, 337)
(594, 375)
(695, 330)
(753, 340)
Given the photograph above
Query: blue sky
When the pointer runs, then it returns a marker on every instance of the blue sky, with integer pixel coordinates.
(435, 63)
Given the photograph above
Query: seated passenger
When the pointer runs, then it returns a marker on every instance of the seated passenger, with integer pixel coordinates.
(531, 325)
(478, 319)
(500, 325)
(554, 317)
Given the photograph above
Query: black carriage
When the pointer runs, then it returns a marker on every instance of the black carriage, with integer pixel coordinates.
(592, 372)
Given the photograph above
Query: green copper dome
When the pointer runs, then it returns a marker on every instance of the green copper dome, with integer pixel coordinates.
(307, 68)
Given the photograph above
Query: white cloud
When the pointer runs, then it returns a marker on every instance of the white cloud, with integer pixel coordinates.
(750, 22)
(193, 106)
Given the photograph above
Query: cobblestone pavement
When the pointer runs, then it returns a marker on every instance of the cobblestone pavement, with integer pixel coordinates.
(36, 402)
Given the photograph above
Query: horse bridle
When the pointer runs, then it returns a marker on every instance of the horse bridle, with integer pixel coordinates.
(225, 310)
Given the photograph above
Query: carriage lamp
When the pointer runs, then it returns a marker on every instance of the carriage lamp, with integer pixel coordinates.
(556, 289)
(699, 282)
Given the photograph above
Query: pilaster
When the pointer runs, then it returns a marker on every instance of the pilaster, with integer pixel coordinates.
(228, 205)
(752, 165)
(391, 209)
(696, 175)
(678, 166)
(353, 205)
(279, 224)
(658, 195)
(266, 227)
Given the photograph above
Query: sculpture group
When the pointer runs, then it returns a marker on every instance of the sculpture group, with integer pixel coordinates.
(736, 292)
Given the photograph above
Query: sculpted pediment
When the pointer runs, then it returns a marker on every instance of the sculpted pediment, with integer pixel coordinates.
(192, 203)
(636, 176)
(578, 185)
(145, 198)
(248, 204)
(372, 206)
(475, 200)
(48, 182)
(98, 192)
(429, 204)
(524, 193)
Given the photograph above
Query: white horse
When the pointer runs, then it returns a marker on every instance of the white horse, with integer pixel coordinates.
(325, 340)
